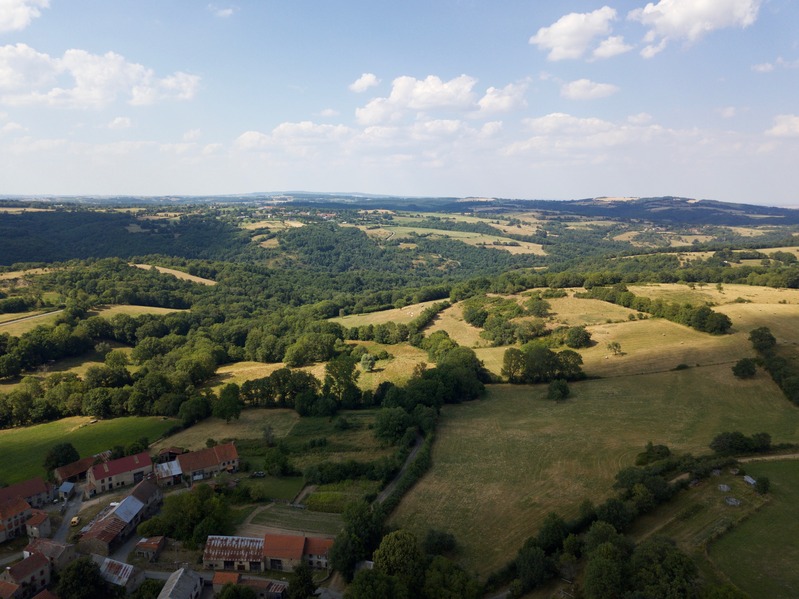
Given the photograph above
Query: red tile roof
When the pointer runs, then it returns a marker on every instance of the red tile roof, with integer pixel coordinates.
(223, 578)
(74, 469)
(21, 571)
(207, 458)
(317, 546)
(47, 547)
(283, 546)
(144, 491)
(37, 518)
(25, 489)
(12, 507)
(45, 594)
(122, 465)
(8, 589)
(150, 544)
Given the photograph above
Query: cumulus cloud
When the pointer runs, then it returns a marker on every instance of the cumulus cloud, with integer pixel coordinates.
(11, 127)
(767, 67)
(785, 125)
(409, 93)
(690, 19)
(120, 122)
(192, 135)
(293, 134)
(503, 99)
(329, 112)
(727, 112)
(221, 12)
(80, 79)
(572, 35)
(16, 15)
(610, 47)
(585, 89)
(364, 82)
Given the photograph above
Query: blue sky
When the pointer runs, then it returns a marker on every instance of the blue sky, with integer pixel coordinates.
(533, 99)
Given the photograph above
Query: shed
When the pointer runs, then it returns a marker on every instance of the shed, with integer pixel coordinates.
(66, 490)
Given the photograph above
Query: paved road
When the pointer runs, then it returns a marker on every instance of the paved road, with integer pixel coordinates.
(16, 320)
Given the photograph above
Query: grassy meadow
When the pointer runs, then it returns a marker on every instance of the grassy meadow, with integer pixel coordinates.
(177, 273)
(502, 463)
(760, 555)
(307, 521)
(24, 449)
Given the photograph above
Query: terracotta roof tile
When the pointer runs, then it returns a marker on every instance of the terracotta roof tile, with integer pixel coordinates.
(284, 546)
(37, 518)
(75, 468)
(21, 571)
(317, 546)
(122, 465)
(207, 458)
(8, 589)
(12, 507)
(224, 578)
(25, 489)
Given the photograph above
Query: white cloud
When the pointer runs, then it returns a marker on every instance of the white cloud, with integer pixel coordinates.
(192, 135)
(120, 122)
(572, 35)
(765, 67)
(408, 93)
(16, 15)
(690, 19)
(785, 125)
(364, 82)
(610, 47)
(11, 127)
(220, 12)
(503, 100)
(80, 79)
(585, 89)
(642, 118)
(727, 112)
(251, 140)
(329, 113)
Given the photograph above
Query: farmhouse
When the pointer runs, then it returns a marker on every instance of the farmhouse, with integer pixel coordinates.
(168, 473)
(35, 491)
(77, 471)
(32, 574)
(119, 574)
(38, 525)
(58, 554)
(182, 584)
(14, 513)
(199, 465)
(272, 552)
(118, 473)
(150, 548)
(110, 530)
(233, 553)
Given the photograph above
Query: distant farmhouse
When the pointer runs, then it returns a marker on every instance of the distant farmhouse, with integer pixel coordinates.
(272, 552)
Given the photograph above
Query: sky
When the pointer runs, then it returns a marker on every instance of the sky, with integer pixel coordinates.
(531, 99)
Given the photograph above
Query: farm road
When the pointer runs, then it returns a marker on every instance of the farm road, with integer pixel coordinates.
(392, 485)
(770, 458)
(16, 320)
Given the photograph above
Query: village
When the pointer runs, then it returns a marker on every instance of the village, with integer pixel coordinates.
(47, 513)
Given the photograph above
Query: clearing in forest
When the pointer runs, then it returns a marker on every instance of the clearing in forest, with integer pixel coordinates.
(177, 273)
(502, 463)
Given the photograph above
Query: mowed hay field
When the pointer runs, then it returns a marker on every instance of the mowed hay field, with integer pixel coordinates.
(177, 273)
(502, 463)
(23, 449)
(761, 554)
(398, 315)
(250, 425)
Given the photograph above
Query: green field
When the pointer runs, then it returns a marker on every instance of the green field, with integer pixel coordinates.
(290, 518)
(502, 463)
(24, 449)
(761, 555)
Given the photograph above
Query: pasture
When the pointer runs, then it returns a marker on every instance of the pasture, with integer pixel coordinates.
(289, 518)
(113, 310)
(24, 449)
(399, 315)
(760, 554)
(502, 463)
(23, 324)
